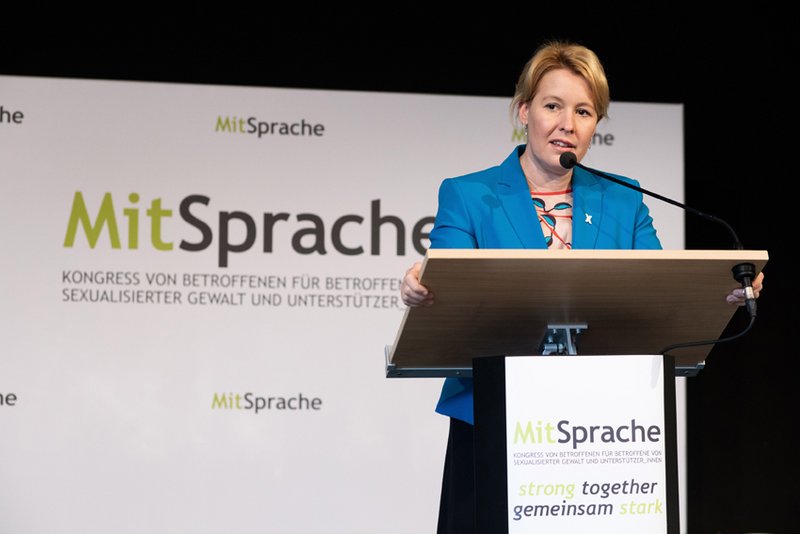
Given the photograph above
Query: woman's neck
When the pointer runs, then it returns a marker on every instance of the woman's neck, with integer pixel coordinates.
(539, 180)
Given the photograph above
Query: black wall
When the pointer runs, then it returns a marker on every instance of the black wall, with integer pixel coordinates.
(730, 69)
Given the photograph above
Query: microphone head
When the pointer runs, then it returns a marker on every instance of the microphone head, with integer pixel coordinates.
(568, 160)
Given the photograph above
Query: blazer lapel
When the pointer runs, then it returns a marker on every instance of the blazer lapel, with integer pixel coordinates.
(587, 209)
(515, 197)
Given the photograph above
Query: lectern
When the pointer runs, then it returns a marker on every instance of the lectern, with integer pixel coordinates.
(579, 433)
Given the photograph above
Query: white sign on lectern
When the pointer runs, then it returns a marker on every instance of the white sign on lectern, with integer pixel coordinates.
(587, 444)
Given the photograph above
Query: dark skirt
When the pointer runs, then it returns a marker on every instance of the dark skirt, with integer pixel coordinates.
(457, 506)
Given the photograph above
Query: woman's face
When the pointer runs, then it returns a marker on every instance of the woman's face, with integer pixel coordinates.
(561, 118)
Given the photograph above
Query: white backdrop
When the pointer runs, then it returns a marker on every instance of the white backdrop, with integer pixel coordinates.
(108, 379)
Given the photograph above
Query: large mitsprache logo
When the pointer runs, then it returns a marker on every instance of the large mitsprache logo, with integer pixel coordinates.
(234, 231)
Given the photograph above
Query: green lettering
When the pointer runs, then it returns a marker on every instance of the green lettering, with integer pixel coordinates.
(524, 435)
(657, 505)
(155, 213)
(133, 222)
(219, 402)
(104, 215)
(223, 126)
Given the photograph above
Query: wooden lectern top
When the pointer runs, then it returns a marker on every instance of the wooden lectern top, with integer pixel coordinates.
(500, 302)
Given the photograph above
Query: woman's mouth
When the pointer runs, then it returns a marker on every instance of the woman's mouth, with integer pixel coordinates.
(561, 144)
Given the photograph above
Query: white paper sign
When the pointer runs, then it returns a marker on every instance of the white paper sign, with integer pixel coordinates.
(586, 445)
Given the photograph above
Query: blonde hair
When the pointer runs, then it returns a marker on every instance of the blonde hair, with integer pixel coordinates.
(562, 55)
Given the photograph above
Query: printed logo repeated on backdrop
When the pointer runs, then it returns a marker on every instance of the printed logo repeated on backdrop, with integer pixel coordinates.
(598, 139)
(259, 128)
(257, 403)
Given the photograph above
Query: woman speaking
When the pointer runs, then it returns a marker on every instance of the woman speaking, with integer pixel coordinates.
(531, 201)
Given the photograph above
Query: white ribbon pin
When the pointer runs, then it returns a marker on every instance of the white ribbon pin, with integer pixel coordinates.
(588, 219)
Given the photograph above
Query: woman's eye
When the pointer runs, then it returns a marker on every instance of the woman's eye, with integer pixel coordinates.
(584, 113)
(551, 106)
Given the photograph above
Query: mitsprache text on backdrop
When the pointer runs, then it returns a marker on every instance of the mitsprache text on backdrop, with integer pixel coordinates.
(257, 403)
(252, 125)
(237, 231)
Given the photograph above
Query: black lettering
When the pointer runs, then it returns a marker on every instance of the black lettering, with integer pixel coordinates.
(564, 432)
(417, 235)
(224, 245)
(378, 221)
(308, 240)
(9, 399)
(205, 230)
(318, 232)
(603, 139)
(10, 116)
(634, 429)
(336, 235)
(251, 126)
(269, 222)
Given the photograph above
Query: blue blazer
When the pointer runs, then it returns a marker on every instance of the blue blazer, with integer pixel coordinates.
(493, 209)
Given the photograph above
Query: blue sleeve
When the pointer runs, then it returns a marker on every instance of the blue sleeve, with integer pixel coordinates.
(644, 233)
(453, 227)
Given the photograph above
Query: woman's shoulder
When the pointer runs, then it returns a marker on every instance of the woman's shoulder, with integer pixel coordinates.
(484, 176)
(508, 169)
(584, 178)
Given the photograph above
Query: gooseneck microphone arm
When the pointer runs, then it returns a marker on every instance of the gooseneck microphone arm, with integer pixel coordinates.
(569, 160)
(744, 273)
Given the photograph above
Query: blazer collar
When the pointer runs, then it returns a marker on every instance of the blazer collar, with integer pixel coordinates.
(587, 208)
(515, 197)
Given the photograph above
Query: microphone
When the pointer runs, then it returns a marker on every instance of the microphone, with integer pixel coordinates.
(744, 273)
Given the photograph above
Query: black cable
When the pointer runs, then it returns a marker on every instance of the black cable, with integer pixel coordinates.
(709, 341)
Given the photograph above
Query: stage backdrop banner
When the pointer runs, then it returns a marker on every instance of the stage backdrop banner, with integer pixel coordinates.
(197, 286)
